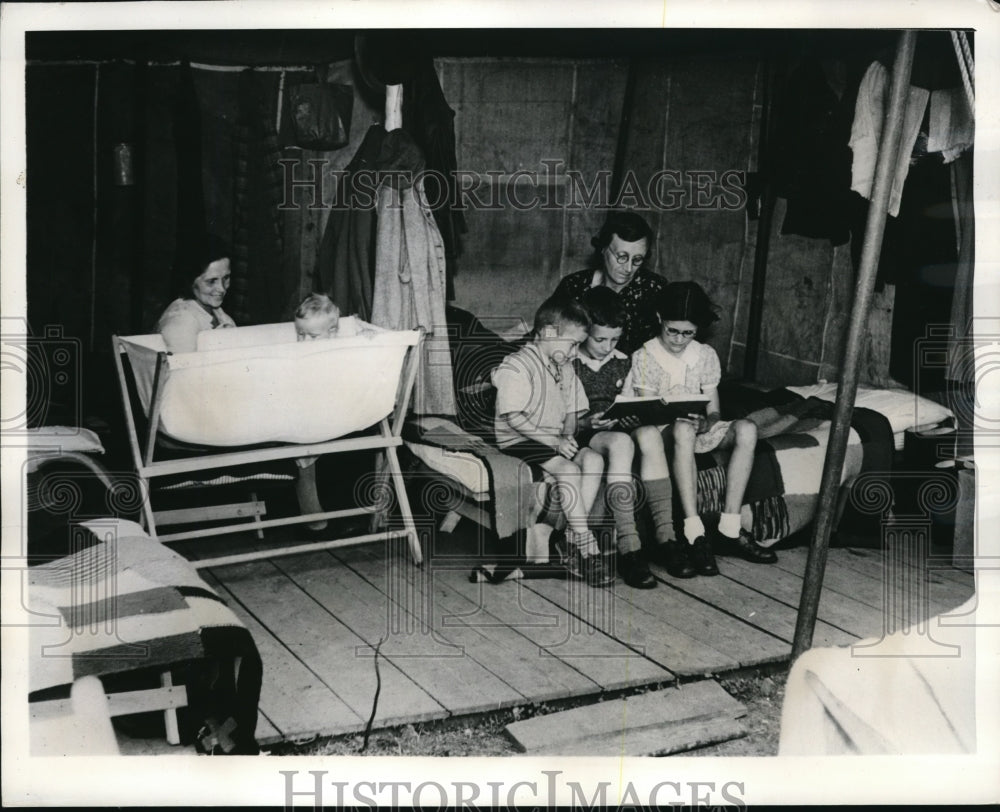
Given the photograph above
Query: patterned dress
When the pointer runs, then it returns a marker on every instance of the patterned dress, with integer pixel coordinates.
(695, 371)
(638, 297)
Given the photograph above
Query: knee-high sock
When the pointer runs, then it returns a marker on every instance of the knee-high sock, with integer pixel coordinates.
(661, 506)
(621, 499)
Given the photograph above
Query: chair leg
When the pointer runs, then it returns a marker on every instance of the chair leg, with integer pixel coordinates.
(256, 515)
(149, 520)
(170, 714)
(404, 504)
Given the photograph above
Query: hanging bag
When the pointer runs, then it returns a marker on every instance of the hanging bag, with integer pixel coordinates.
(318, 114)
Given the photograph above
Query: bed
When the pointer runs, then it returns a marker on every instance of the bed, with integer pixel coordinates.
(782, 495)
(131, 612)
(255, 395)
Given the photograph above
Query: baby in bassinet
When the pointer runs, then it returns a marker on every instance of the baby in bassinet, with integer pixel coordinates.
(316, 318)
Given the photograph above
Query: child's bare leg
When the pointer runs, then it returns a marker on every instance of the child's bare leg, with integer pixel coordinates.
(687, 487)
(585, 561)
(305, 491)
(591, 464)
(686, 473)
(743, 435)
(568, 478)
(653, 460)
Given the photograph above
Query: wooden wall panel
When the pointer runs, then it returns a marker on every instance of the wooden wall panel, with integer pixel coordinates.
(708, 130)
(600, 89)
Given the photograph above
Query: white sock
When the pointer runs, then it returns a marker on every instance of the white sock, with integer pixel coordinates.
(693, 528)
(729, 525)
(584, 542)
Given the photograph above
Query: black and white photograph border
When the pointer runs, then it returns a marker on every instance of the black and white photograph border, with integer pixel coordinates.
(710, 732)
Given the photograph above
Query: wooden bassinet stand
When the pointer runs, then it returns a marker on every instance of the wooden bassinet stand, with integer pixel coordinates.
(393, 367)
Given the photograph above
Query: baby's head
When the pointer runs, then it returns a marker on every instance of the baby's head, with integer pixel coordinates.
(607, 320)
(317, 317)
(560, 327)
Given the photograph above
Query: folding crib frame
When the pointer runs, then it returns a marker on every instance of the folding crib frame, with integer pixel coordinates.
(387, 438)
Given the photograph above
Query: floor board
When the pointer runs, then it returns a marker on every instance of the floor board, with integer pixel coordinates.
(452, 646)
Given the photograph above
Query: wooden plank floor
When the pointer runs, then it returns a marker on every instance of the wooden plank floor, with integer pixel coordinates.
(448, 647)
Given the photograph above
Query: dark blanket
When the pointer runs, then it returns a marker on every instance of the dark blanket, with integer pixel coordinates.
(783, 490)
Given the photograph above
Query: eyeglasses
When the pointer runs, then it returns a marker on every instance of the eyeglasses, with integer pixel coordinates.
(672, 331)
(622, 259)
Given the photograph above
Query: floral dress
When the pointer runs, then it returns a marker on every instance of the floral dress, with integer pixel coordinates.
(695, 371)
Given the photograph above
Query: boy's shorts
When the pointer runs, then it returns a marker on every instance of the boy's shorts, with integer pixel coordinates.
(532, 452)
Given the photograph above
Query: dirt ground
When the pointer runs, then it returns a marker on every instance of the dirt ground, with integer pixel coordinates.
(484, 735)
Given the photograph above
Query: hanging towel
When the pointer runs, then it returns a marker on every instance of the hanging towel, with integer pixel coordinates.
(866, 132)
(952, 129)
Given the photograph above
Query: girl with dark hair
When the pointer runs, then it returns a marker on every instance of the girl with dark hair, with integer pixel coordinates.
(676, 363)
(202, 280)
(621, 262)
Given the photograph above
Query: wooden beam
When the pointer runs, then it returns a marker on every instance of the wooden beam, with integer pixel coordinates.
(840, 428)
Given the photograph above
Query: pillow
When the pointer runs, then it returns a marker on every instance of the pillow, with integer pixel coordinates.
(903, 409)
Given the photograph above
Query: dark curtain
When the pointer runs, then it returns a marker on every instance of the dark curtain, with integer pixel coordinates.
(431, 122)
(258, 291)
(346, 265)
(190, 191)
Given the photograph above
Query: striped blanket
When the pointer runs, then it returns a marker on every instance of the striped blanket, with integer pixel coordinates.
(125, 608)
(783, 492)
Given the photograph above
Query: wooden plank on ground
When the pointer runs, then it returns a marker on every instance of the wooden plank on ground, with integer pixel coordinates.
(844, 619)
(293, 697)
(497, 646)
(653, 723)
(457, 683)
(332, 650)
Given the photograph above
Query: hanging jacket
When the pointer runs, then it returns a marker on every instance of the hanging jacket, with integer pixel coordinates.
(410, 283)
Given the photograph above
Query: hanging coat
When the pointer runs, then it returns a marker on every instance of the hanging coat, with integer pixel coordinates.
(410, 283)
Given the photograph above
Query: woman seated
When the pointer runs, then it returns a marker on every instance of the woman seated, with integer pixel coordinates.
(204, 281)
(203, 286)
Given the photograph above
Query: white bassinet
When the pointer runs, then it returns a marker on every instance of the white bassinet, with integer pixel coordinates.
(247, 386)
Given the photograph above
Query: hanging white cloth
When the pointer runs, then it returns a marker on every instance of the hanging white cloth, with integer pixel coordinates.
(866, 133)
(951, 130)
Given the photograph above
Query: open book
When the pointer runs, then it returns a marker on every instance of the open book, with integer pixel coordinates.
(655, 410)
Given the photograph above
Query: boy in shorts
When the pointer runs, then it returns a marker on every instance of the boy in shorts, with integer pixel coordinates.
(539, 399)
(602, 370)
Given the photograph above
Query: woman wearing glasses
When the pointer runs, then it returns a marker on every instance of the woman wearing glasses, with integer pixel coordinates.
(674, 363)
(621, 251)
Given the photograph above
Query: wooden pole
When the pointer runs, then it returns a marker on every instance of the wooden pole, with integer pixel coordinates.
(836, 449)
